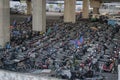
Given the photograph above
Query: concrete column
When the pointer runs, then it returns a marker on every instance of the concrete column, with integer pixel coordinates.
(29, 7)
(95, 10)
(39, 15)
(4, 22)
(69, 11)
(96, 5)
(85, 13)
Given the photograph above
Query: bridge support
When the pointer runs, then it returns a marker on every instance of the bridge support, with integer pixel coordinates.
(4, 22)
(85, 9)
(29, 7)
(96, 5)
(39, 15)
(69, 11)
(95, 10)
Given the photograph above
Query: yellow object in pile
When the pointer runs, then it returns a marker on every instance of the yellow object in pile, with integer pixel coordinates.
(41, 32)
(94, 28)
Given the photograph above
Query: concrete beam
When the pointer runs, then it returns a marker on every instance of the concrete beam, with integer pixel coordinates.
(4, 22)
(69, 11)
(39, 15)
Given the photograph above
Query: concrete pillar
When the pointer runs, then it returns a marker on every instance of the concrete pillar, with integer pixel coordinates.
(39, 15)
(69, 11)
(95, 4)
(95, 10)
(118, 72)
(29, 7)
(85, 13)
(4, 22)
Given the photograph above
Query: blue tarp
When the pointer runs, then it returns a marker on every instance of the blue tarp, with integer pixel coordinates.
(112, 22)
(77, 42)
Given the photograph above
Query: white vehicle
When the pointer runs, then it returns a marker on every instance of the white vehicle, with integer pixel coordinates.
(22, 8)
(14, 6)
(58, 6)
(110, 8)
(17, 7)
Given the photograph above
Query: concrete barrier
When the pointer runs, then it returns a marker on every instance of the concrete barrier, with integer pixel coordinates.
(118, 72)
(8, 75)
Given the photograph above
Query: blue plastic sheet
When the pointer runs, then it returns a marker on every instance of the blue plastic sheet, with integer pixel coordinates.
(112, 22)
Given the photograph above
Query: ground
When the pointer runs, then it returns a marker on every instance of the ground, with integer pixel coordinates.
(54, 16)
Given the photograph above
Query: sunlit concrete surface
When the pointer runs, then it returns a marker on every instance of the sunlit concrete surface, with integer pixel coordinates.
(7, 75)
(54, 14)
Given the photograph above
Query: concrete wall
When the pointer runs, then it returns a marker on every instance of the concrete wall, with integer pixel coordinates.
(8, 75)
(118, 72)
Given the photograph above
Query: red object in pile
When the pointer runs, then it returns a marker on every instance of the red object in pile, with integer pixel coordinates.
(44, 66)
(108, 68)
(82, 65)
